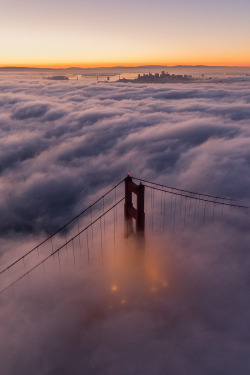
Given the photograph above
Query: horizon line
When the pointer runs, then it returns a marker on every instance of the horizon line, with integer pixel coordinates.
(71, 66)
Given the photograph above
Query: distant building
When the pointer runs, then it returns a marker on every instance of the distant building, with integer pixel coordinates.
(59, 78)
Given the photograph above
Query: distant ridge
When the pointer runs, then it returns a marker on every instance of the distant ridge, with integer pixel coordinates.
(26, 68)
(23, 68)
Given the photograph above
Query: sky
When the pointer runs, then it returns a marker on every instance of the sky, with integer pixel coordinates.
(97, 33)
(181, 308)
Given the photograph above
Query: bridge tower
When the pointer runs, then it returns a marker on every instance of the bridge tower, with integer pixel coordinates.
(130, 212)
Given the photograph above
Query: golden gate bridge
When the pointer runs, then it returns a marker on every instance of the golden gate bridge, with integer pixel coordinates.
(132, 208)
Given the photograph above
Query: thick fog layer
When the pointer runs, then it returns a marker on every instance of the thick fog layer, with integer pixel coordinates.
(179, 307)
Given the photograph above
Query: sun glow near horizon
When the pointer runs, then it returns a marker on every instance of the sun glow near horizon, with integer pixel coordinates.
(99, 63)
(96, 34)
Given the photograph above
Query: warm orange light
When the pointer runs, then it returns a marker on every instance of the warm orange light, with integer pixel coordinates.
(230, 61)
(165, 284)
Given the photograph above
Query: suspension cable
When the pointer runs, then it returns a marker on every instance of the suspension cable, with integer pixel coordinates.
(60, 248)
(184, 191)
(199, 199)
(60, 229)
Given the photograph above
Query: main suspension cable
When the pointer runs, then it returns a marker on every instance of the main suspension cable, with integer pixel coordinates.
(60, 229)
(60, 248)
(184, 191)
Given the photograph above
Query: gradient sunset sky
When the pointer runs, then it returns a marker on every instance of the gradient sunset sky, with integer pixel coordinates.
(107, 33)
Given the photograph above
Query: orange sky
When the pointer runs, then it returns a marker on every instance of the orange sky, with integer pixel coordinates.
(124, 33)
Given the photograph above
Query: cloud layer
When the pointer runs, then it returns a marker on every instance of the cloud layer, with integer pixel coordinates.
(62, 144)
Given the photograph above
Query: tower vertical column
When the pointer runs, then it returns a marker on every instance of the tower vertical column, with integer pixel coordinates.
(140, 220)
(128, 205)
